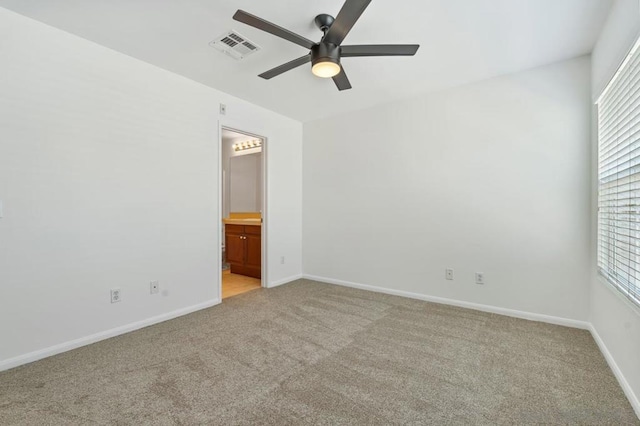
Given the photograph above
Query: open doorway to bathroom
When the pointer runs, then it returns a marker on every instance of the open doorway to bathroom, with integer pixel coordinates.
(243, 187)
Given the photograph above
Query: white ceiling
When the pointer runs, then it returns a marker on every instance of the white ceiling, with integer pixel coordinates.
(461, 41)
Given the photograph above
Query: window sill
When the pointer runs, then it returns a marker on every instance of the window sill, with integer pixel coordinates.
(612, 288)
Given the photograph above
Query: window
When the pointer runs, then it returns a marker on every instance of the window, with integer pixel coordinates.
(619, 178)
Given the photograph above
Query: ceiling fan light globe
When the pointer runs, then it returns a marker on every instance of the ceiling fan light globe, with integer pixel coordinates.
(325, 69)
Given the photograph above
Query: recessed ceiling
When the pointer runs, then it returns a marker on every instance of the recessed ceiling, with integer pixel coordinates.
(461, 41)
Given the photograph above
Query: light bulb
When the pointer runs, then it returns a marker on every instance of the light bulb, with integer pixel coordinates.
(325, 69)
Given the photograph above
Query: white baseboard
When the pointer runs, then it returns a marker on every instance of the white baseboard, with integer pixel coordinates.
(628, 391)
(83, 341)
(462, 304)
(284, 281)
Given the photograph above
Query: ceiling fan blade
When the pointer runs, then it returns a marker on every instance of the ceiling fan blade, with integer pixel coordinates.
(348, 15)
(286, 67)
(341, 80)
(274, 29)
(379, 50)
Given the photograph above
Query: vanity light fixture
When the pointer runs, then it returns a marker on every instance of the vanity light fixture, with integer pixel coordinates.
(241, 146)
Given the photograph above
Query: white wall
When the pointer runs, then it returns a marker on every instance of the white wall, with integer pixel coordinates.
(109, 178)
(615, 321)
(490, 177)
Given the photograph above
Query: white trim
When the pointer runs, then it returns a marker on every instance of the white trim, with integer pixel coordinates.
(221, 183)
(620, 295)
(567, 322)
(284, 281)
(628, 391)
(87, 340)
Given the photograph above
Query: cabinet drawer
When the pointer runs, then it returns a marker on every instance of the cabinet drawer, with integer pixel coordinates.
(253, 229)
(234, 229)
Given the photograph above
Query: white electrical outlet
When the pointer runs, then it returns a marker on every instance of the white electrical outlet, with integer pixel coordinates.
(282, 260)
(449, 274)
(115, 295)
(154, 287)
(479, 278)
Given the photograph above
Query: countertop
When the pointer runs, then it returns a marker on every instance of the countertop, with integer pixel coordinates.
(243, 218)
(238, 221)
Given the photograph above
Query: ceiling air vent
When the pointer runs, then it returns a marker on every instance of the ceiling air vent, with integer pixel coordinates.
(234, 45)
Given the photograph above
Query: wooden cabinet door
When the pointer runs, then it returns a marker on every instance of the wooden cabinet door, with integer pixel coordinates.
(254, 251)
(235, 248)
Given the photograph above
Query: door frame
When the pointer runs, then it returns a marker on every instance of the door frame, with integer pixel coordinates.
(265, 213)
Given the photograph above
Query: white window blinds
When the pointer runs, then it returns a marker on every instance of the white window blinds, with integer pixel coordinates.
(619, 179)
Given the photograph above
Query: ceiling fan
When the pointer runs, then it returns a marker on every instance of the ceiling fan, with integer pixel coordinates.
(325, 55)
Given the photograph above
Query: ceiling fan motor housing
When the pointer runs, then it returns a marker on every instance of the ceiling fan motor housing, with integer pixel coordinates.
(325, 52)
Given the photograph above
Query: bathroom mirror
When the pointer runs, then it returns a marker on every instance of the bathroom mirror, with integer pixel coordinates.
(245, 183)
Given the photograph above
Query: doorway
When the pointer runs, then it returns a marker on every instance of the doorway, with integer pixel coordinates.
(243, 178)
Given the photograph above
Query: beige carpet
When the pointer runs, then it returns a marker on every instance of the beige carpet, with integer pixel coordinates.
(310, 353)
